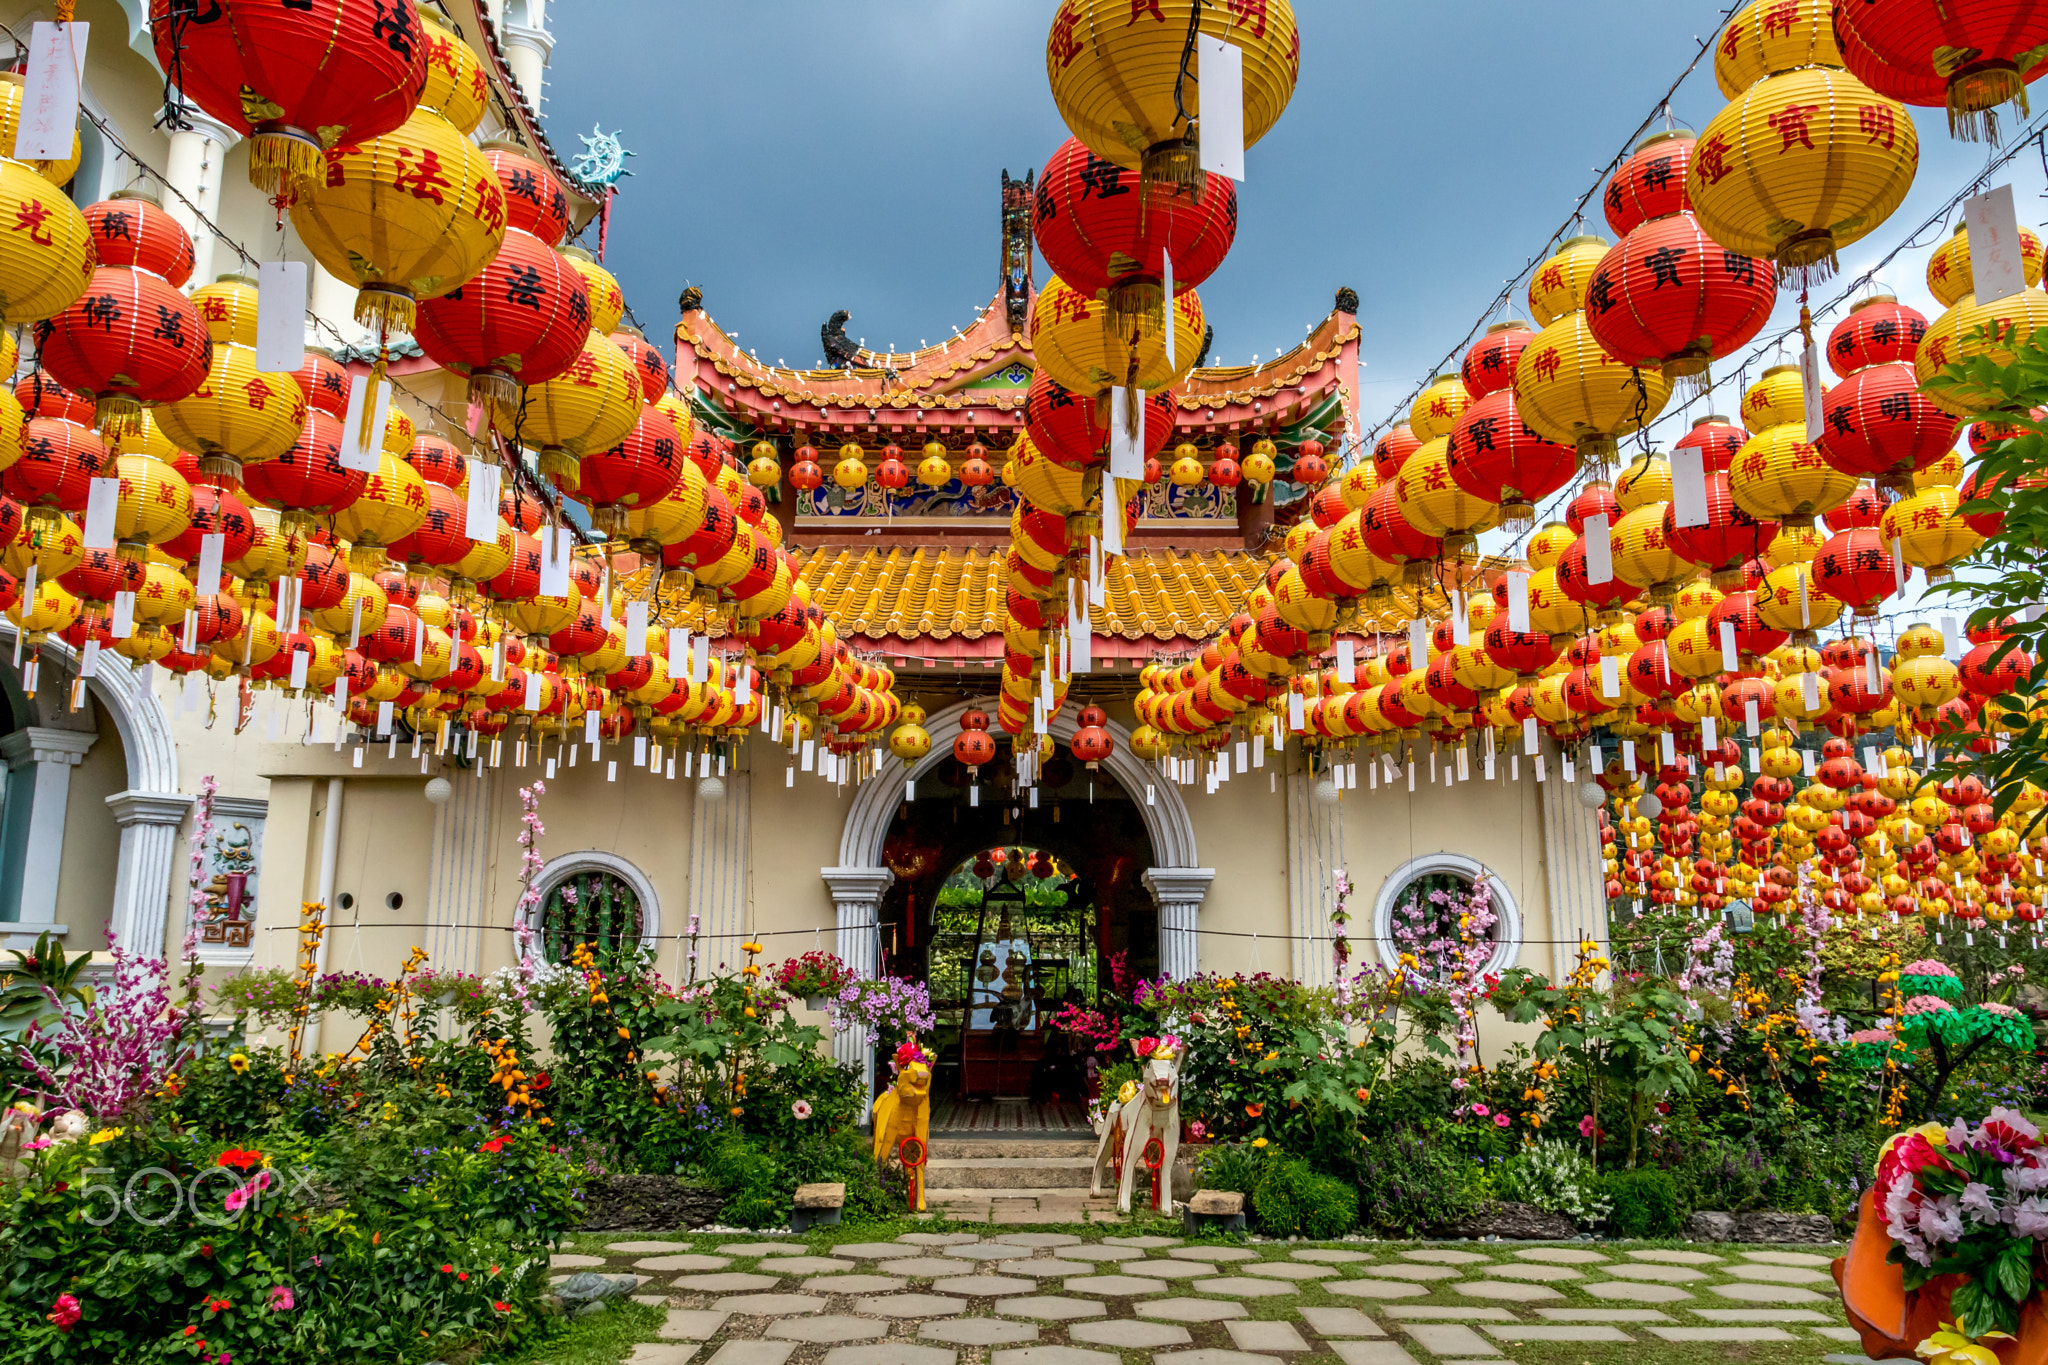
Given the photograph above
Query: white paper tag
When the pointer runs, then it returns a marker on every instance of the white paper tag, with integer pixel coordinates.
(1126, 444)
(280, 316)
(383, 718)
(88, 664)
(300, 660)
(555, 549)
(1518, 601)
(1809, 690)
(102, 502)
(480, 520)
(1461, 620)
(743, 686)
(678, 651)
(124, 616)
(532, 702)
(354, 455)
(1599, 550)
(1112, 518)
(1347, 659)
(49, 97)
(636, 628)
(1688, 487)
(1996, 271)
(1418, 642)
(700, 660)
(1610, 678)
(1729, 657)
(1810, 389)
(1708, 737)
(1219, 78)
(1166, 304)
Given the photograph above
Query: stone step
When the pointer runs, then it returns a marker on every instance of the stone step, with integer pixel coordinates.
(1008, 1172)
(950, 1148)
(1066, 1194)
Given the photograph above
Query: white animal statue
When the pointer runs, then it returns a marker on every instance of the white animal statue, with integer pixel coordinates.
(1146, 1108)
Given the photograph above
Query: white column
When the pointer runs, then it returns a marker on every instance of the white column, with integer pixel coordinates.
(527, 49)
(1575, 880)
(148, 860)
(858, 892)
(1315, 851)
(1179, 892)
(50, 755)
(194, 166)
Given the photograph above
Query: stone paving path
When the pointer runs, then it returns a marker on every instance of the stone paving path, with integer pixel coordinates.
(1049, 1298)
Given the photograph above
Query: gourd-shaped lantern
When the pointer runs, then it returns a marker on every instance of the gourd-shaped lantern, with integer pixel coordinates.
(1779, 475)
(1567, 387)
(973, 746)
(1876, 424)
(1092, 742)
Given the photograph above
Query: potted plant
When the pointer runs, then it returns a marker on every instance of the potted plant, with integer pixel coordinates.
(816, 976)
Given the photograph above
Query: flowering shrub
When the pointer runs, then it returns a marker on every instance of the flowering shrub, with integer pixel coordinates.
(1555, 1176)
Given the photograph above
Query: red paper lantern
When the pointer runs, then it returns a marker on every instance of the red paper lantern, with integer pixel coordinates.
(1092, 742)
(709, 542)
(59, 460)
(324, 382)
(647, 362)
(1392, 450)
(214, 511)
(1877, 424)
(892, 473)
(1855, 567)
(130, 339)
(1596, 499)
(1667, 295)
(1753, 639)
(314, 73)
(1716, 438)
(1489, 366)
(100, 575)
(438, 461)
(974, 470)
(521, 578)
(1495, 455)
(534, 201)
(1523, 652)
(1878, 330)
(1072, 429)
(639, 471)
(1310, 469)
(1224, 472)
(1730, 537)
(522, 320)
(1863, 507)
(1969, 55)
(1390, 536)
(1108, 235)
(805, 474)
(1651, 183)
(308, 481)
(442, 539)
(1572, 581)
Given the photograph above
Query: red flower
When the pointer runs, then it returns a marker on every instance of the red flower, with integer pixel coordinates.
(1909, 1155)
(501, 1305)
(206, 1249)
(1254, 1110)
(495, 1145)
(239, 1159)
(190, 1330)
(447, 1270)
(462, 1275)
(541, 1081)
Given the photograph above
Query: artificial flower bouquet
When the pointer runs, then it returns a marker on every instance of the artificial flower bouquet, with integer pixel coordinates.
(814, 976)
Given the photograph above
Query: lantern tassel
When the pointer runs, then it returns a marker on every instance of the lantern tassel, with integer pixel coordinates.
(386, 308)
(1177, 162)
(367, 439)
(1135, 307)
(1974, 94)
(559, 466)
(1691, 374)
(118, 415)
(1806, 259)
(1517, 515)
(1597, 453)
(282, 159)
(609, 517)
(493, 386)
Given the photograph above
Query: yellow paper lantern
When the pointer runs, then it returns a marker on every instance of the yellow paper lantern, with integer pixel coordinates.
(154, 504)
(593, 405)
(1771, 36)
(851, 471)
(538, 617)
(1646, 480)
(456, 88)
(672, 520)
(486, 559)
(399, 430)
(393, 505)
(55, 546)
(1571, 391)
(1799, 165)
(1969, 330)
(1559, 285)
(1045, 484)
(1434, 503)
(241, 415)
(1924, 527)
(146, 438)
(1779, 476)
(1789, 600)
(1299, 607)
(764, 470)
(164, 595)
(342, 619)
(46, 250)
(1361, 481)
(50, 608)
(1116, 75)
(257, 642)
(1795, 545)
(1437, 408)
(1642, 557)
(1946, 472)
(607, 300)
(1779, 396)
(1948, 269)
(1071, 344)
(410, 215)
(1549, 544)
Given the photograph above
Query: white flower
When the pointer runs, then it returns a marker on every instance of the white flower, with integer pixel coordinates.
(802, 1109)
(2030, 1218)
(1977, 1202)
(1941, 1219)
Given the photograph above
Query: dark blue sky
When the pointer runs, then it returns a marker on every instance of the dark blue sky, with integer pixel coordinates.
(797, 156)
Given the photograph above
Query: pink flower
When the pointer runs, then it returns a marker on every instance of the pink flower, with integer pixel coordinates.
(1480, 1111)
(801, 1108)
(1586, 1126)
(65, 1312)
(1500, 1120)
(1197, 1129)
(281, 1298)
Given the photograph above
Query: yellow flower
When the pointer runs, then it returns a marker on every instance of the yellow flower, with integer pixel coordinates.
(751, 947)
(238, 1062)
(1258, 1142)
(103, 1136)
(1950, 1347)
(1127, 1092)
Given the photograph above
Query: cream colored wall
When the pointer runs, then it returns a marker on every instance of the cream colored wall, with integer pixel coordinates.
(92, 838)
(1241, 831)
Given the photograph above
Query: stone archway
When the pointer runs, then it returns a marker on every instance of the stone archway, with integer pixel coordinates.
(860, 880)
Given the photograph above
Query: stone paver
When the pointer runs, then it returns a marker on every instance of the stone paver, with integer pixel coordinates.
(1506, 1291)
(661, 1263)
(982, 1251)
(1101, 1253)
(1188, 1310)
(1212, 1254)
(932, 1239)
(661, 1353)
(1437, 1257)
(1525, 1331)
(1798, 1258)
(1676, 1257)
(1171, 1270)
(890, 1353)
(800, 1265)
(1773, 1315)
(1768, 1293)
(1450, 1339)
(1603, 1315)
(1721, 1334)
(1837, 1333)
(983, 1286)
(1371, 1353)
(754, 1353)
(828, 1327)
(1129, 1334)
(1424, 1312)
(853, 1284)
(1210, 1356)
(1144, 1243)
(1329, 1255)
(644, 1248)
(1045, 1268)
(863, 1251)
(978, 1331)
(1415, 1272)
(1038, 1239)
(1288, 1270)
(1265, 1336)
(923, 1267)
(769, 1249)
(1662, 1274)
(1776, 1274)
(1544, 1274)
(727, 1282)
(911, 1306)
(691, 1324)
(1114, 1286)
(1561, 1256)
(1239, 1287)
(1053, 1355)
(1341, 1322)
(1049, 1308)
(769, 1305)
(569, 1260)
(1860, 1359)
(1623, 1291)
(1375, 1289)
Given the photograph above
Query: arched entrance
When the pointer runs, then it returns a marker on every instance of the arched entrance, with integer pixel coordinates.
(1133, 850)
